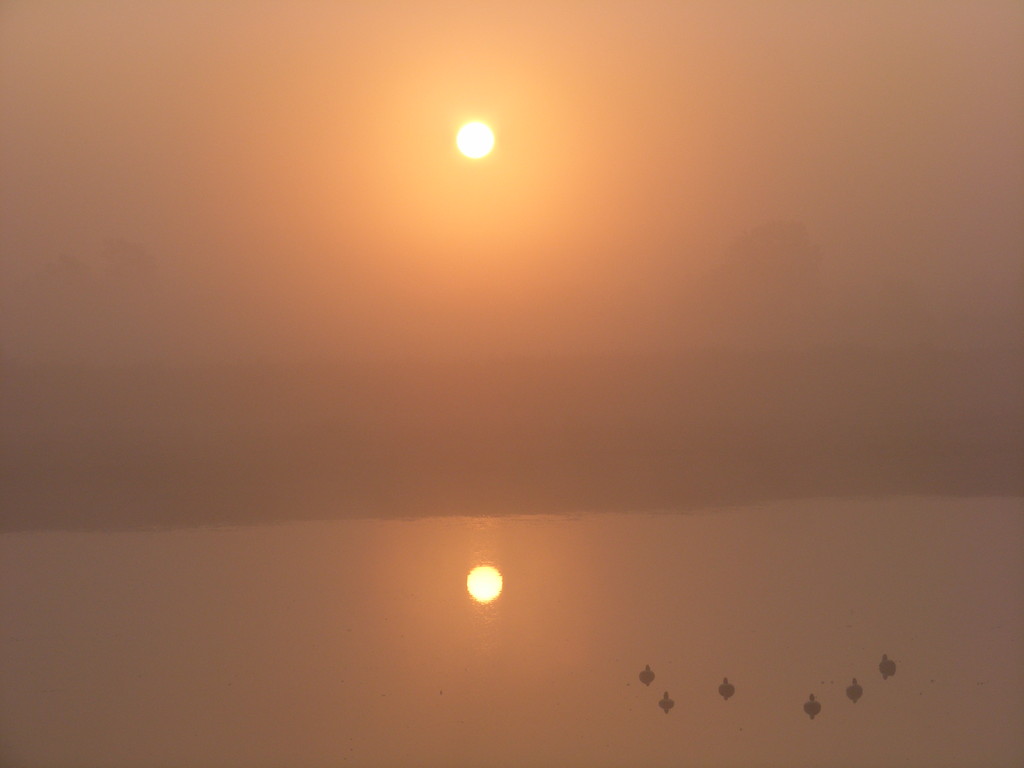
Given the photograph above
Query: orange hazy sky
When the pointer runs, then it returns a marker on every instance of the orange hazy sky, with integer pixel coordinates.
(576, 323)
(289, 173)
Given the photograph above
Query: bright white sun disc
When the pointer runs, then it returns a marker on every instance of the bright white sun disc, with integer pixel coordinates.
(484, 583)
(475, 140)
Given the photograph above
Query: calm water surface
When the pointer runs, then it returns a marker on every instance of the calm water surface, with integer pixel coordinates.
(356, 642)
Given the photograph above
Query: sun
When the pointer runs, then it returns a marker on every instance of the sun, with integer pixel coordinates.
(475, 140)
(484, 583)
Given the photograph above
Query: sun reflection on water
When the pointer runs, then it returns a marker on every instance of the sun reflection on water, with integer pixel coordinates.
(484, 583)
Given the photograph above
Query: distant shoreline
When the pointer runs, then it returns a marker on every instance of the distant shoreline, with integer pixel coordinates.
(131, 448)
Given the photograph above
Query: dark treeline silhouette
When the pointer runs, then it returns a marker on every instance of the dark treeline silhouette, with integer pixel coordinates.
(143, 446)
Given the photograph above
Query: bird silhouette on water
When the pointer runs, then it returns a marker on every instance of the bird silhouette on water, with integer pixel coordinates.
(646, 675)
(727, 689)
(666, 703)
(887, 667)
(812, 707)
(854, 691)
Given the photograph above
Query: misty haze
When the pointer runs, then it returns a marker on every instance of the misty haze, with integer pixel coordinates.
(717, 356)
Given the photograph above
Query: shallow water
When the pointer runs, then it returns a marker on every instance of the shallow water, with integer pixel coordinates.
(355, 642)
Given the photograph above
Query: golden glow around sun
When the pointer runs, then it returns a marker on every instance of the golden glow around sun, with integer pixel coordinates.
(475, 140)
(484, 583)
